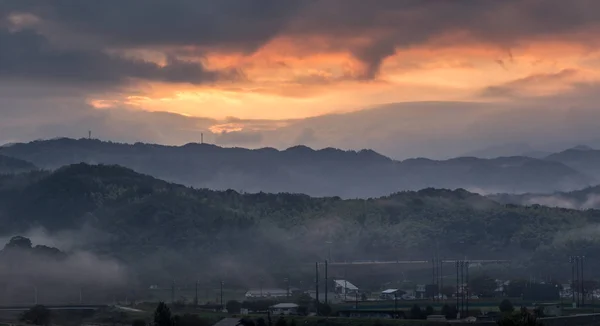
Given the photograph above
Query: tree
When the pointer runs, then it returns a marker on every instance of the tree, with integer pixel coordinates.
(162, 315)
(38, 315)
(304, 299)
(325, 309)
(233, 307)
(429, 311)
(506, 306)
(246, 322)
(138, 322)
(516, 288)
(281, 322)
(522, 319)
(448, 291)
(482, 285)
(293, 323)
(415, 312)
(363, 297)
(261, 322)
(191, 320)
(449, 311)
(18, 242)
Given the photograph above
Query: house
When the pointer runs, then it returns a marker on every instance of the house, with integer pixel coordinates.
(420, 291)
(345, 288)
(267, 293)
(284, 309)
(390, 294)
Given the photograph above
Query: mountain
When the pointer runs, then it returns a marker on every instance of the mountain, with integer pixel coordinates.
(507, 150)
(156, 227)
(9, 165)
(581, 158)
(300, 169)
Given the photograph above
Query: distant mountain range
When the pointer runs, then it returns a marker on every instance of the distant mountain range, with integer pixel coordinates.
(511, 149)
(326, 172)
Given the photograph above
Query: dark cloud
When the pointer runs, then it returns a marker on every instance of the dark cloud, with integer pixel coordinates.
(244, 26)
(28, 55)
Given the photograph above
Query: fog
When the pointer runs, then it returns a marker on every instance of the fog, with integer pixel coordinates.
(72, 275)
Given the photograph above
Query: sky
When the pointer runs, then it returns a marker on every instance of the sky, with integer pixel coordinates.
(434, 78)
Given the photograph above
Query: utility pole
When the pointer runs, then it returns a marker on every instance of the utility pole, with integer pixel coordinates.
(173, 291)
(80, 295)
(442, 279)
(467, 283)
(578, 284)
(260, 283)
(572, 261)
(222, 295)
(581, 259)
(287, 283)
(326, 281)
(35, 295)
(317, 287)
(196, 295)
(433, 276)
(457, 285)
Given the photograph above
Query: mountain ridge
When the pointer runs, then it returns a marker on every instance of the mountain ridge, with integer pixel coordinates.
(301, 169)
(141, 217)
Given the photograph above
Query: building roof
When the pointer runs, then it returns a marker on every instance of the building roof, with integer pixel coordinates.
(267, 292)
(345, 284)
(284, 306)
(389, 291)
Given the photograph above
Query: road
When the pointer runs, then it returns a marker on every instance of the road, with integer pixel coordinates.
(383, 262)
(53, 307)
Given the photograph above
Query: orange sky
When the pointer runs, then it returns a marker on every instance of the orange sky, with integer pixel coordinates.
(282, 81)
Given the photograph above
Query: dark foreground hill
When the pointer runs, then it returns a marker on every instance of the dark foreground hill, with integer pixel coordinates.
(327, 172)
(163, 229)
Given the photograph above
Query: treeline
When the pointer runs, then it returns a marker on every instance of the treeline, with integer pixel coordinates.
(143, 216)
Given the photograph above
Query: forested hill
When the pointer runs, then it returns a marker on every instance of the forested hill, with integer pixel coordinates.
(138, 216)
(326, 172)
(9, 165)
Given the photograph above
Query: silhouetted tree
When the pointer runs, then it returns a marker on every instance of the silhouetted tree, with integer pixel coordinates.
(281, 322)
(415, 312)
(506, 306)
(38, 315)
(429, 311)
(246, 322)
(18, 242)
(449, 311)
(233, 307)
(138, 322)
(162, 315)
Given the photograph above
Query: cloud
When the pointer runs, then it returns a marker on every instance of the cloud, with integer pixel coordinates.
(238, 138)
(29, 55)
(526, 86)
(371, 32)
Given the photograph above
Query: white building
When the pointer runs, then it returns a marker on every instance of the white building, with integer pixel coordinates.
(343, 287)
(284, 309)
